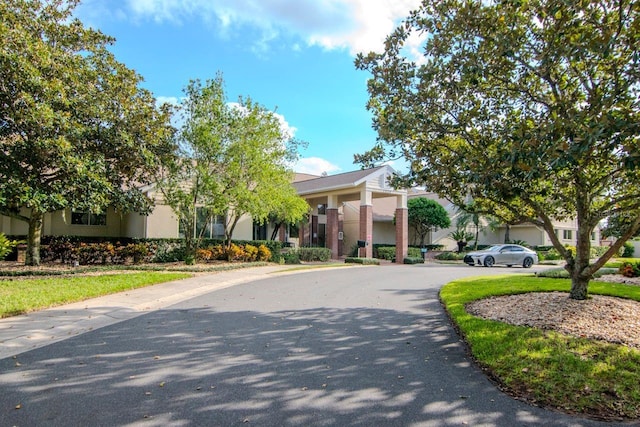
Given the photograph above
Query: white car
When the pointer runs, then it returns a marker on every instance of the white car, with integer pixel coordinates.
(503, 254)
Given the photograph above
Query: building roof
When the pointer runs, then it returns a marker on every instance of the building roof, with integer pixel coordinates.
(304, 177)
(341, 180)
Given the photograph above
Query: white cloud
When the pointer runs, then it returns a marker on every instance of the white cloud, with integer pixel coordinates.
(314, 166)
(355, 25)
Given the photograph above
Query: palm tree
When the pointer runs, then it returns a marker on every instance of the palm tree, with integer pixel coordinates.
(467, 215)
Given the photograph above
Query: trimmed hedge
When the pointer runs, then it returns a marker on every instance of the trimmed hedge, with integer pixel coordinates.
(413, 260)
(115, 250)
(314, 254)
(363, 261)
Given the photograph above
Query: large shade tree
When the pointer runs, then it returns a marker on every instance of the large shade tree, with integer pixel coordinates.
(531, 107)
(76, 129)
(234, 160)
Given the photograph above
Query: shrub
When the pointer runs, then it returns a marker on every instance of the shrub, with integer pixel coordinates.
(264, 254)
(628, 269)
(96, 253)
(598, 251)
(250, 252)
(291, 257)
(386, 252)
(552, 255)
(203, 254)
(137, 251)
(449, 256)
(414, 252)
(627, 250)
(363, 261)
(414, 260)
(169, 252)
(314, 254)
(6, 246)
(434, 247)
(234, 252)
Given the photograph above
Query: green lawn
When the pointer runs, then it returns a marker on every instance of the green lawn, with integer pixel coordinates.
(550, 369)
(23, 296)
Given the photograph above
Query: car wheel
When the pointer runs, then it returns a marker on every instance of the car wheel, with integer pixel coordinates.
(527, 263)
(489, 261)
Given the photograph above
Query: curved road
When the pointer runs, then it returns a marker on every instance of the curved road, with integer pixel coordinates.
(356, 346)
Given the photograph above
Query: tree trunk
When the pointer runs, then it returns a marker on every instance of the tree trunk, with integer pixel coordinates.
(579, 268)
(579, 286)
(33, 240)
(275, 231)
(507, 237)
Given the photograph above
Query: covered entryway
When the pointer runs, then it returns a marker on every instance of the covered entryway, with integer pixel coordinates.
(328, 195)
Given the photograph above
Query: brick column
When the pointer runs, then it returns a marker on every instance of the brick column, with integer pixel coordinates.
(402, 234)
(332, 231)
(366, 230)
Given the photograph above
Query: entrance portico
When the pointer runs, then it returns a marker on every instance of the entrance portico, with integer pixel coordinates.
(328, 197)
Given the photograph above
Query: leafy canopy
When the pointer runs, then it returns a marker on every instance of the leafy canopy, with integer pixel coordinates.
(425, 215)
(234, 161)
(528, 106)
(76, 130)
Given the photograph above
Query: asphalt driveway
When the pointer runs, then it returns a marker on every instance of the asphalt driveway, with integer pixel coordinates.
(351, 346)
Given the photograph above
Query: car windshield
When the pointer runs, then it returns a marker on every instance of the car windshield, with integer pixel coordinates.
(494, 248)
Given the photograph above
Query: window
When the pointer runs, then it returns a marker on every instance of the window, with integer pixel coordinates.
(214, 229)
(322, 209)
(88, 218)
(567, 234)
(259, 231)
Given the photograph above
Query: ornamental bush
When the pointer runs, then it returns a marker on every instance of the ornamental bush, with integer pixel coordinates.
(6, 246)
(629, 269)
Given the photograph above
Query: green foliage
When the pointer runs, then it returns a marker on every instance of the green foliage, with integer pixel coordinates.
(414, 252)
(233, 162)
(76, 128)
(6, 246)
(386, 252)
(556, 370)
(449, 256)
(460, 234)
(520, 242)
(291, 257)
(363, 261)
(629, 269)
(413, 260)
(314, 254)
(627, 250)
(529, 108)
(35, 294)
(425, 215)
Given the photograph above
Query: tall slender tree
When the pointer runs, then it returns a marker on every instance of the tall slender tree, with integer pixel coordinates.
(234, 161)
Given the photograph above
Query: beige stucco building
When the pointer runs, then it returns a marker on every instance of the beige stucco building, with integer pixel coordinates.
(345, 210)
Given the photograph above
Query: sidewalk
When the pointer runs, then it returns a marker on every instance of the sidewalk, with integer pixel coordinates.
(26, 332)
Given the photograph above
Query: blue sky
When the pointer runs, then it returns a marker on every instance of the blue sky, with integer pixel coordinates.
(292, 56)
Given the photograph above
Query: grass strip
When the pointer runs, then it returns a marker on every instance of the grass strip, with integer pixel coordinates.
(196, 268)
(576, 375)
(26, 295)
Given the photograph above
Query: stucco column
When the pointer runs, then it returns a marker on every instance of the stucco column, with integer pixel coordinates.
(332, 225)
(402, 229)
(366, 223)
